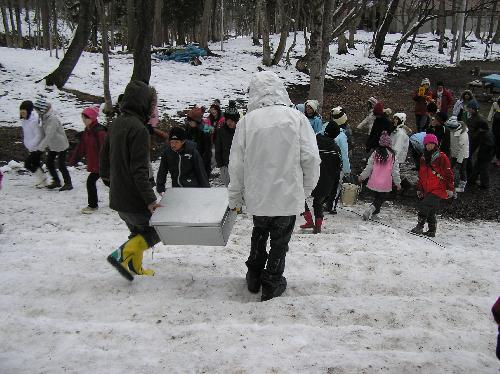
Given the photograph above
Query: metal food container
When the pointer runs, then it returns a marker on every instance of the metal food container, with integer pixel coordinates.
(194, 216)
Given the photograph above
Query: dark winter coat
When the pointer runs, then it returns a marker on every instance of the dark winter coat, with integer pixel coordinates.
(485, 146)
(474, 124)
(421, 101)
(330, 167)
(125, 154)
(446, 100)
(436, 178)
(91, 143)
(223, 140)
(203, 142)
(443, 135)
(186, 168)
(381, 124)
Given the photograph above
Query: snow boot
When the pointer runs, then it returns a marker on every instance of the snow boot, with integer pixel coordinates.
(276, 290)
(432, 227)
(128, 258)
(54, 184)
(419, 229)
(309, 221)
(66, 187)
(367, 215)
(41, 181)
(273, 281)
(317, 225)
(253, 280)
(461, 186)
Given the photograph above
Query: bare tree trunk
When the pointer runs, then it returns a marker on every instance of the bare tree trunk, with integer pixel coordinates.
(496, 38)
(256, 23)
(477, 32)
(54, 23)
(294, 43)
(101, 11)
(384, 28)
(144, 39)
(342, 45)
(442, 25)
(61, 75)
(285, 25)
(208, 9)
(45, 10)
(158, 26)
(6, 26)
(454, 17)
(112, 24)
(492, 20)
(412, 43)
(266, 48)
(17, 7)
(131, 24)
(27, 20)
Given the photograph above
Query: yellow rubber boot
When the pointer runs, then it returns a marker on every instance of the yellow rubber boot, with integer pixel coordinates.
(132, 255)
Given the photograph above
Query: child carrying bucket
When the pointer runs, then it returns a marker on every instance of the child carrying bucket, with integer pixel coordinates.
(382, 171)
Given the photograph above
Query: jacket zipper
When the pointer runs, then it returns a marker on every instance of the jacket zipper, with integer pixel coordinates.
(179, 175)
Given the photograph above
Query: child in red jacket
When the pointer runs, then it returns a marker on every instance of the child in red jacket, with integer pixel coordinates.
(435, 183)
(91, 142)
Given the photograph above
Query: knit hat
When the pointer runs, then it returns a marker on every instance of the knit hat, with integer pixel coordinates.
(338, 115)
(41, 104)
(452, 122)
(378, 109)
(27, 106)
(332, 130)
(195, 114)
(91, 112)
(372, 101)
(177, 133)
(313, 104)
(442, 117)
(401, 117)
(425, 81)
(231, 111)
(473, 105)
(430, 138)
(385, 140)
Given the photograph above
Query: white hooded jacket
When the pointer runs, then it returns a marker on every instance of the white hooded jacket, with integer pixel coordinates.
(32, 132)
(459, 144)
(400, 139)
(274, 160)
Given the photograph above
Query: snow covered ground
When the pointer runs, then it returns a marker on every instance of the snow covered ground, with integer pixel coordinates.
(181, 85)
(362, 297)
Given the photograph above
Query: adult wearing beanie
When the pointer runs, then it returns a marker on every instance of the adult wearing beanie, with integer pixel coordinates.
(422, 96)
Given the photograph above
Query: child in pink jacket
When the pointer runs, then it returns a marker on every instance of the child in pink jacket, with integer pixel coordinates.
(382, 171)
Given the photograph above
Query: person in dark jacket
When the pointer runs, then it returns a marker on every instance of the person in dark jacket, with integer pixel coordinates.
(195, 132)
(482, 156)
(330, 167)
(182, 160)
(474, 122)
(382, 123)
(443, 98)
(422, 96)
(91, 142)
(224, 139)
(438, 128)
(124, 166)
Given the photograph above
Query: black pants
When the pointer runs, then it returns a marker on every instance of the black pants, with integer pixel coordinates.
(496, 133)
(421, 122)
(380, 198)
(61, 162)
(280, 230)
(92, 190)
(317, 206)
(415, 155)
(481, 168)
(428, 208)
(138, 224)
(333, 197)
(33, 162)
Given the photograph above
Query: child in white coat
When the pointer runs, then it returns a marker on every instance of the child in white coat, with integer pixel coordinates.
(32, 137)
(459, 150)
(382, 170)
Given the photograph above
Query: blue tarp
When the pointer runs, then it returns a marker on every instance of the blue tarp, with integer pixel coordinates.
(493, 79)
(183, 55)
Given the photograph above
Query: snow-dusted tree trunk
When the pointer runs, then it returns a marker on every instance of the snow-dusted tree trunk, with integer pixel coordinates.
(442, 25)
(285, 25)
(384, 28)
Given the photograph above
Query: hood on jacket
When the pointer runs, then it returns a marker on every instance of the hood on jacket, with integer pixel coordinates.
(267, 89)
(401, 117)
(137, 100)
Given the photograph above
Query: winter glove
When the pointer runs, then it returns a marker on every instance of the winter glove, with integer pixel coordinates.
(450, 194)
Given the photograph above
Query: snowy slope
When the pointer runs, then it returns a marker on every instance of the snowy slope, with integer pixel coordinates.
(362, 297)
(181, 85)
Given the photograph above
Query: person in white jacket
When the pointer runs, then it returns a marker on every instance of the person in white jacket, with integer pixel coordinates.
(32, 136)
(399, 137)
(56, 141)
(367, 122)
(459, 151)
(273, 167)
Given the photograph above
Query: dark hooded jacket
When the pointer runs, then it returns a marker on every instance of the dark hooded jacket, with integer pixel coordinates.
(223, 141)
(381, 124)
(124, 160)
(186, 168)
(203, 143)
(330, 167)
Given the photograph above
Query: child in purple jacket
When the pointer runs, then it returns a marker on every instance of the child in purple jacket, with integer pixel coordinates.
(382, 171)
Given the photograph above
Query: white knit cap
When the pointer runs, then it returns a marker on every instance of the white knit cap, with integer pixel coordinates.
(339, 115)
(314, 104)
